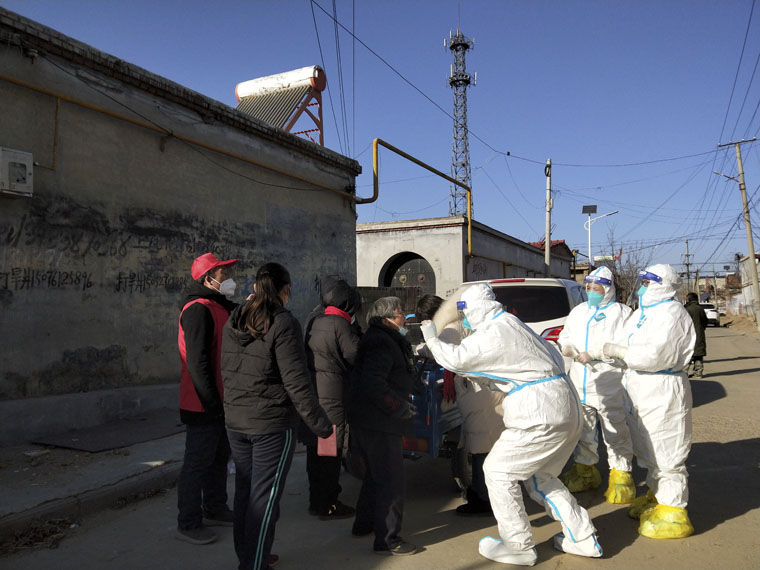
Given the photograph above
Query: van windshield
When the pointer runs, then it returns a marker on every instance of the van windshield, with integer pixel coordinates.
(534, 304)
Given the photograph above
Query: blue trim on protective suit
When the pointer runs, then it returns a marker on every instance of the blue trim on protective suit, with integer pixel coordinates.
(552, 505)
(657, 303)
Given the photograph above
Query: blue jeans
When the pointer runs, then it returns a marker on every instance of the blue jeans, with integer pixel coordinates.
(202, 484)
(262, 463)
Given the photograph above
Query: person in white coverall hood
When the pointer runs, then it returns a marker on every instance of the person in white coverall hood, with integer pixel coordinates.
(542, 417)
(600, 388)
(660, 341)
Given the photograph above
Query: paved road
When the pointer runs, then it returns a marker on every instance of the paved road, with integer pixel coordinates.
(724, 507)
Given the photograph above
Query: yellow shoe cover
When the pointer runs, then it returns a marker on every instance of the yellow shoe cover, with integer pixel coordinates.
(665, 522)
(581, 478)
(641, 504)
(621, 489)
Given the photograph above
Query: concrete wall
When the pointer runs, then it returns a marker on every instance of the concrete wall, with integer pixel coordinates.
(136, 176)
(443, 243)
(438, 240)
(748, 293)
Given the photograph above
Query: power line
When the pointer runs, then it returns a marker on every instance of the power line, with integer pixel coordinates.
(738, 67)
(474, 135)
(329, 91)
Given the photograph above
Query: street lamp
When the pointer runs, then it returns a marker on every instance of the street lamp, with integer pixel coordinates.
(591, 209)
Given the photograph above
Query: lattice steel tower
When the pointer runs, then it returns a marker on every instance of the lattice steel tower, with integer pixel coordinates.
(459, 81)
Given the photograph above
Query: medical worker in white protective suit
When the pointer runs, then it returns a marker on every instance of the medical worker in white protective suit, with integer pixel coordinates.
(542, 417)
(660, 340)
(600, 389)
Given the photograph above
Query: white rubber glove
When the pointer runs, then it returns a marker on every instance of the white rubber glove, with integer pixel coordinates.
(569, 350)
(584, 358)
(428, 330)
(617, 351)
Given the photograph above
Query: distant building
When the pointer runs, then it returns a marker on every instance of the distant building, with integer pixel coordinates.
(434, 254)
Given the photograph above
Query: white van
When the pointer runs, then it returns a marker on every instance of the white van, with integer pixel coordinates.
(541, 303)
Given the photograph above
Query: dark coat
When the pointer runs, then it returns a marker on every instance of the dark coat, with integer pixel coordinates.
(332, 343)
(266, 380)
(699, 317)
(383, 379)
(198, 326)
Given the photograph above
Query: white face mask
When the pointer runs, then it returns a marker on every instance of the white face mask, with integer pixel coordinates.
(226, 287)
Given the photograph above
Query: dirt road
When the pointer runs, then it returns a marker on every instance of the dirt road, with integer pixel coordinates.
(724, 507)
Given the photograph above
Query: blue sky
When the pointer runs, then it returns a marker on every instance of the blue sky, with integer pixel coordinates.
(629, 100)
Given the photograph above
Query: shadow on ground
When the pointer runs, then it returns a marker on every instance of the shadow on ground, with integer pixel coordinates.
(706, 391)
(722, 481)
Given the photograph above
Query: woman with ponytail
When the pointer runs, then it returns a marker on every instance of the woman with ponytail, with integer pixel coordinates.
(267, 388)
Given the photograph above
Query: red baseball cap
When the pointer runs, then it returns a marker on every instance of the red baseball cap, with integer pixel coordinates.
(206, 263)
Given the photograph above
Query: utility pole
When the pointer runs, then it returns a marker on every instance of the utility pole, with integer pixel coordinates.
(688, 275)
(747, 227)
(549, 204)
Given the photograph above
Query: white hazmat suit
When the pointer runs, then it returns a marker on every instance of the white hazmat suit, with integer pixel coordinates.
(600, 388)
(542, 417)
(660, 341)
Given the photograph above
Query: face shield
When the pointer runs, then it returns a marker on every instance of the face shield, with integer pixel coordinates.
(597, 287)
(463, 325)
(642, 283)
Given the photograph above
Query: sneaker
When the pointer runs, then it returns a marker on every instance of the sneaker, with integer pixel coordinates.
(401, 549)
(587, 547)
(338, 511)
(200, 535)
(221, 518)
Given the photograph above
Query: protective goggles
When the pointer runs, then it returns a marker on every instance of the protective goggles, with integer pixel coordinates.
(644, 274)
(597, 279)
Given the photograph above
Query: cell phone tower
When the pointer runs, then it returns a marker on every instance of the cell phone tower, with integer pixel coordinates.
(459, 80)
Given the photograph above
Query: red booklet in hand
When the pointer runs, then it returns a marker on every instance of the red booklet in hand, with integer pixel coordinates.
(328, 446)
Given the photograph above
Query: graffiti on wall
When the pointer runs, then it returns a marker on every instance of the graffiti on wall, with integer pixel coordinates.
(139, 282)
(25, 278)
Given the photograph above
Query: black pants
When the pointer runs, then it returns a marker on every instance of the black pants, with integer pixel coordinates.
(262, 463)
(202, 485)
(381, 500)
(324, 477)
(478, 483)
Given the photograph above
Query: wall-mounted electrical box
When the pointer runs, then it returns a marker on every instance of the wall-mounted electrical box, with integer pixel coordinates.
(16, 169)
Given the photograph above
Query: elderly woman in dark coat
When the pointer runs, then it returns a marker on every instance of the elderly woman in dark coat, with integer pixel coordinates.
(332, 341)
(380, 413)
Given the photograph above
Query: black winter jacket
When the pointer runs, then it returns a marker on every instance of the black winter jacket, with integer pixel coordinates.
(266, 380)
(383, 379)
(198, 325)
(699, 317)
(331, 347)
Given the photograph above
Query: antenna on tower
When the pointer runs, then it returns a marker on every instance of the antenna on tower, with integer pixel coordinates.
(459, 80)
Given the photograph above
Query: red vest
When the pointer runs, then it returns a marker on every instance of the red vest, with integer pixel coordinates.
(188, 397)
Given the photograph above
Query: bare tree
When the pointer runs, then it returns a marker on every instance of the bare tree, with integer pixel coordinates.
(625, 264)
